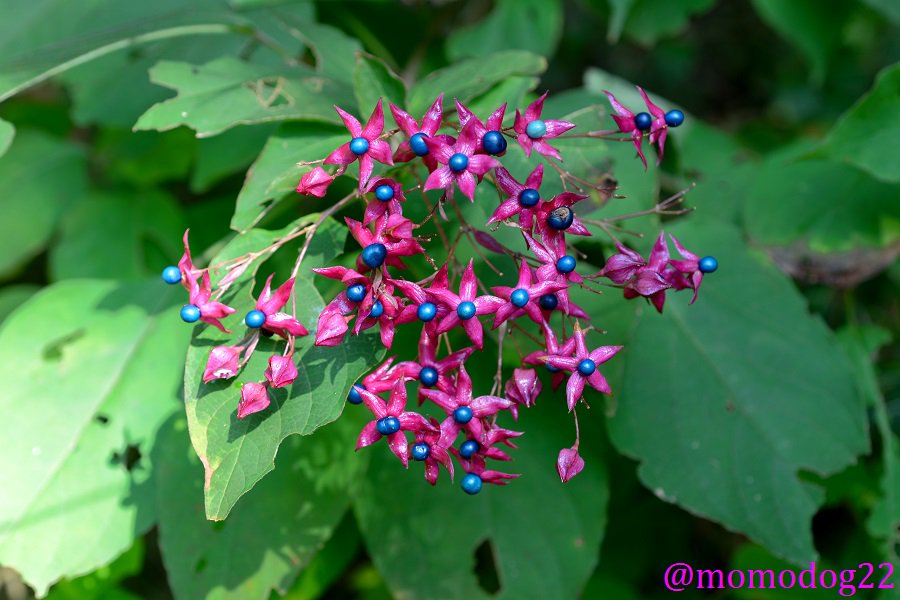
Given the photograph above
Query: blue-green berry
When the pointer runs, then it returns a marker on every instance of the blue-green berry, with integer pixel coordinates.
(171, 275)
(356, 292)
(674, 118)
(190, 313)
(529, 197)
(354, 397)
(387, 425)
(466, 310)
(519, 297)
(421, 451)
(561, 218)
(377, 309)
(462, 414)
(471, 484)
(548, 301)
(428, 376)
(458, 162)
(566, 264)
(587, 367)
(552, 369)
(426, 311)
(417, 144)
(255, 319)
(384, 192)
(359, 146)
(468, 448)
(536, 129)
(643, 121)
(494, 143)
(708, 264)
(373, 255)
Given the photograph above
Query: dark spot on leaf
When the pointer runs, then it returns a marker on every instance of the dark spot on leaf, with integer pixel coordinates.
(102, 419)
(195, 71)
(200, 566)
(129, 458)
(53, 351)
(730, 407)
(486, 568)
(308, 58)
(218, 525)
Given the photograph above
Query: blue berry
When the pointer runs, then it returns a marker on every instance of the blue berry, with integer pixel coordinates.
(190, 313)
(587, 367)
(171, 275)
(708, 264)
(387, 425)
(529, 197)
(548, 301)
(674, 118)
(356, 292)
(373, 255)
(561, 218)
(255, 319)
(468, 448)
(643, 121)
(552, 369)
(354, 396)
(421, 451)
(359, 146)
(519, 297)
(428, 376)
(418, 145)
(458, 162)
(536, 129)
(566, 264)
(426, 311)
(494, 143)
(471, 484)
(462, 415)
(377, 309)
(466, 310)
(384, 192)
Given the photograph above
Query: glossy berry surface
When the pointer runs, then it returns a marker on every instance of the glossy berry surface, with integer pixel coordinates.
(529, 197)
(536, 129)
(377, 309)
(171, 275)
(387, 425)
(421, 451)
(494, 143)
(354, 396)
(549, 301)
(417, 144)
(384, 192)
(587, 367)
(255, 319)
(373, 255)
(566, 264)
(466, 310)
(190, 313)
(468, 448)
(426, 311)
(458, 162)
(552, 369)
(519, 297)
(428, 376)
(359, 146)
(471, 484)
(674, 118)
(356, 292)
(561, 218)
(462, 415)
(643, 121)
(708, 264)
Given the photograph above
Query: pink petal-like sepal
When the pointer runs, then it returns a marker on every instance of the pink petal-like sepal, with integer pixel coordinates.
(569, 463)
(223, 363)
(281, 372)
(254, 398)
(315, 183)
(523, 387)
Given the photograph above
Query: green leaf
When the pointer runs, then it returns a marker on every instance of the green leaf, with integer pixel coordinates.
(649, 20)
(238, 453)
(226, 154)
(103, 584)
(272, 533)
(469, 78)
(32, 201)
(888, 8)
(81, 408)
(868, 135)
(727, 401)
(329, 563)
(533, 25)
(7, 133)
(814, 26)
(145, 158)
(227, 92)
(275, 172)
(116, 236)
(619, 10)
(14, 295)
(374, 80)
(424, 540)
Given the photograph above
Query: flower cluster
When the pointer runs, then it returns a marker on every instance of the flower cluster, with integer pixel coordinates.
(448, 421)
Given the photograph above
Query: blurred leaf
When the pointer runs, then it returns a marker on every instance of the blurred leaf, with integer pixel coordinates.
(106, 236)
(290, 144)
(144, 158)
(226, 92)
(331, 561)
(7, 133)
(758, 563)
(374, 80)
(91, 371)
(32, 200)
(814, 26)
(103, 584)
(469, 78)
(334, 51)
(424, 540)
(14, 295)
(272, 533)
(888, 8)
(533, 25)
(774, 390)
(619, 10)
(228, 153)
(649, 20)
(868, 135)
(238, 453)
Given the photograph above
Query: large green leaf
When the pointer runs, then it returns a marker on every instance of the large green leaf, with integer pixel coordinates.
(238, 453)
(226, 92)
(273, 531)
(868, 135)
(544, 535)
(533, 25)
(226, 154)
(649, 20)
(727, 401)
(90, 371)
(469, 78)
(33, 202)
(7, 133)
(374, 80)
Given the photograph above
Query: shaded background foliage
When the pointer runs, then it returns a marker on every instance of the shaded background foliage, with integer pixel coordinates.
(756, 429)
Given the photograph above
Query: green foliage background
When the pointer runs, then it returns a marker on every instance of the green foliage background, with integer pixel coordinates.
(757, 428)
